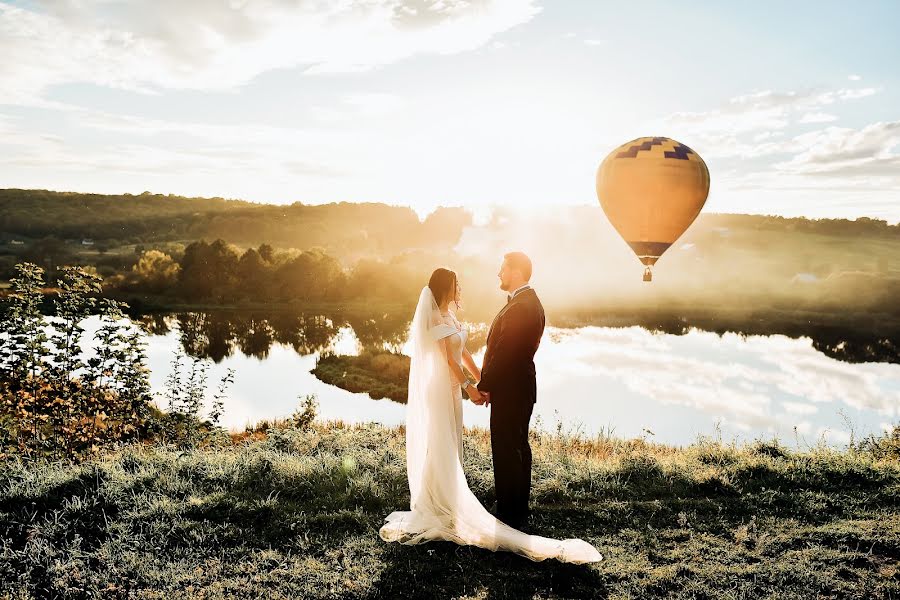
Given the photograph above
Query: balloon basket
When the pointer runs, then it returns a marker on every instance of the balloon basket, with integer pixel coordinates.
(648, 274)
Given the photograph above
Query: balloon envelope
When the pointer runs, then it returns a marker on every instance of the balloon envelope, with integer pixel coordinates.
(651, 190)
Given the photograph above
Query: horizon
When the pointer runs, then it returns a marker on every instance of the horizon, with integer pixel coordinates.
(509, 102)
(481, 214)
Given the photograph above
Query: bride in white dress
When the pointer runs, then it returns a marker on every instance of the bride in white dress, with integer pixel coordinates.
(442, 507)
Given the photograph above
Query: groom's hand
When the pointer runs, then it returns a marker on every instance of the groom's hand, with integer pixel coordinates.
(479, 398)
(485, 397)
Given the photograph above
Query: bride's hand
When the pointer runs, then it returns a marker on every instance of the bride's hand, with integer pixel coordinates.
(474, 395)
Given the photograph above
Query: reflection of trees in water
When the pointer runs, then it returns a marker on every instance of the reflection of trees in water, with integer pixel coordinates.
(217, 335)
(207, 335)
(254, 336)
(869, 341)
(155, 323)
(380, 332)
(865, 350)
(306, 334)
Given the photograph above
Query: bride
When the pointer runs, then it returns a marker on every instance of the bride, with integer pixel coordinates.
(441, 505)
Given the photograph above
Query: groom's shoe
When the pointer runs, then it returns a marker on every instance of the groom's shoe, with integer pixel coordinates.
(515, 521)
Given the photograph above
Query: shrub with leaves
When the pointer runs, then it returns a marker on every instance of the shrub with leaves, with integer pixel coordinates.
(54, 401)
(185, 391)
(304, 416)
(885, 446)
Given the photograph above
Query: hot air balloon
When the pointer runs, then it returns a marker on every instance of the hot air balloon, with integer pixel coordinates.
(651, 190)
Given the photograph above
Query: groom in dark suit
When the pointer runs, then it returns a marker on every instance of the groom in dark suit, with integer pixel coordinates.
(508, 379)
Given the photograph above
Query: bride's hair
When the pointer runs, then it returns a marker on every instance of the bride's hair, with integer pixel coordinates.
(442, 284)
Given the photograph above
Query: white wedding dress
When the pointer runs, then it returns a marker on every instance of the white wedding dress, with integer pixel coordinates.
(442, 507)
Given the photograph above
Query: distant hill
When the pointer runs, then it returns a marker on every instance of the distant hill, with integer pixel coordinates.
(338, 227)
(728, 261)
(343, 229)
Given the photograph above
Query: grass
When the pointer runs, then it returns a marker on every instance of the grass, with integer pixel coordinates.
(296, 515)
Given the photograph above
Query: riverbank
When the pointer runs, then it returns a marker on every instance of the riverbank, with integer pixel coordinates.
(296, 514)
(159, 303)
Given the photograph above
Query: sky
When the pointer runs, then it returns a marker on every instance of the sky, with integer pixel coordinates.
(794, 106)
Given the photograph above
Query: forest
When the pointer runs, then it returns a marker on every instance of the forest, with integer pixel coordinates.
(158, 251)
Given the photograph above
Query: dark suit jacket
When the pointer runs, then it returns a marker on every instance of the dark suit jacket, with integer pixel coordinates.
(508, 368)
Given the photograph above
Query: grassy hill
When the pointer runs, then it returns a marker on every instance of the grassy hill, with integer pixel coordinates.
(112, 221)
(296, 515)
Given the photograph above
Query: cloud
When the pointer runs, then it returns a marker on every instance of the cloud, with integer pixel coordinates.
(757, 126)
(870, 151)
(13, 133)
(176, 150)
(762, 115)
(854, 77)
(817, 117)
(800, 408)
(222, 45)
(304, 168)
(358, 105)
(595, 42)
(761, 383)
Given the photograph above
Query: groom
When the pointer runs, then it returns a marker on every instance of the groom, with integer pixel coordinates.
(508, 380)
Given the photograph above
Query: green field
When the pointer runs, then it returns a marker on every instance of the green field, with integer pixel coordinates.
(296, 514)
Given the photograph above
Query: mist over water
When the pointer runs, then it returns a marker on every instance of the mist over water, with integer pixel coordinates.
(723, 262)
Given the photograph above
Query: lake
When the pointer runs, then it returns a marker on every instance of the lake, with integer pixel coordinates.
(627, 381)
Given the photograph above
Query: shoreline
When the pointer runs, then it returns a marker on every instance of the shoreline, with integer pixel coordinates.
(611, 315)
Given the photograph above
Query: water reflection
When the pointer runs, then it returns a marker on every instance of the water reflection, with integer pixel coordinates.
(863, 340)
(218, 335)
(677, 384)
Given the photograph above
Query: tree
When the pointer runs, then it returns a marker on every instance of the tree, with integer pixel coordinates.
(208, 270)
(267, 253)
(252, 273)
(155, 272)
(311, 276)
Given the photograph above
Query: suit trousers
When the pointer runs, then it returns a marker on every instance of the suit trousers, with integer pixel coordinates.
(510, 416)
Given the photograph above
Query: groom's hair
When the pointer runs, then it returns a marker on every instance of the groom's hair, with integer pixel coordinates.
(442, 284)
(520, 262)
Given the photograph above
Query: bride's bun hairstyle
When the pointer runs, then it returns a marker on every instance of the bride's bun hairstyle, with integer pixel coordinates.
(442, 284)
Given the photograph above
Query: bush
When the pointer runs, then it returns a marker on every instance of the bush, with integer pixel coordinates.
(154, 272)
(183, 424)
(885, 447)
(304, 416)
(53, 401)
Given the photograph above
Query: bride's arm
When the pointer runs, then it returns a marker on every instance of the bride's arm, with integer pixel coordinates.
(455, 370)
(470, 364)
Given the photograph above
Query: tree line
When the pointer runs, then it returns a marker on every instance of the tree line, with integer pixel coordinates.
(344, 229)
(219, 272)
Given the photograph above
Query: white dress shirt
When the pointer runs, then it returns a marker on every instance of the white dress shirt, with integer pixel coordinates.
(517, 290)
